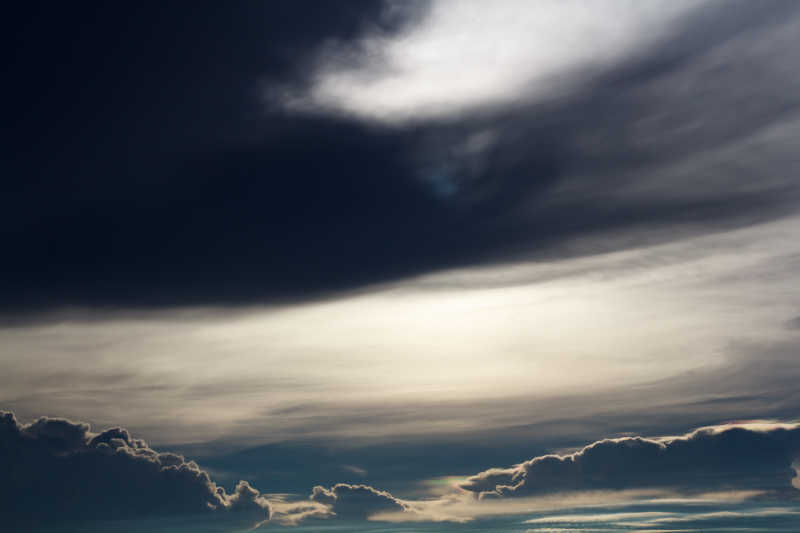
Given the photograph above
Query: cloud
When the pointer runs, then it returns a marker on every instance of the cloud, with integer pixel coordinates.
(728, 464)
(56, 469)
(748, 456)
(343, 501)
(289, 207)
(680, 518)
(60, 470)
(356, 501)
(461, 55)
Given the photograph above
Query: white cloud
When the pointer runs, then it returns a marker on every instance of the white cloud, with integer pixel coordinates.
(470, 53)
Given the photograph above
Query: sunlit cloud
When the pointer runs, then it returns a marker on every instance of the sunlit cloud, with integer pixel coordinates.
(394, 265)
(561, 327)
(461, 55)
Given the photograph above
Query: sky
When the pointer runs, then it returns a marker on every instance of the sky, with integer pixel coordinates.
(401, 266)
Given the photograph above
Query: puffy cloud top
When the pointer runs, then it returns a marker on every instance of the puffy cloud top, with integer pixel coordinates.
(356, 501)
(58, 469)
(755, 456)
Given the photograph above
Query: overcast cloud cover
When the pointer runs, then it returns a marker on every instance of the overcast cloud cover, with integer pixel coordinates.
(398, 262)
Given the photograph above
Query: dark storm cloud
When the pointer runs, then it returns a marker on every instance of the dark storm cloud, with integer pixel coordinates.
(719, 458)
(55, 469)
(144, 170)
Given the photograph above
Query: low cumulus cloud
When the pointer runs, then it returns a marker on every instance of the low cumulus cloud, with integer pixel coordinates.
(59, 469)
(341, 501)
(726, 464)
(56, 469)
(754, 456)
(356, 501)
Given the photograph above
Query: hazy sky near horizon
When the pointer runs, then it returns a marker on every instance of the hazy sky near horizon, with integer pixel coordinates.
(410, 247)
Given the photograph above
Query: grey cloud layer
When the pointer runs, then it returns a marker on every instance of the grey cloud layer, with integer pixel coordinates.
(56, 469)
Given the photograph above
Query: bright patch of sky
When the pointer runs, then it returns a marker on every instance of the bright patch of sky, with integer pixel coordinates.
(462, 55)
(541, 329)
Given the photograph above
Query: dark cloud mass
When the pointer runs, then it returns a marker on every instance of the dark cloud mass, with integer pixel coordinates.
(356, 501)
(126, 188)
(717, 458)
(57, 470)
(753, 459)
